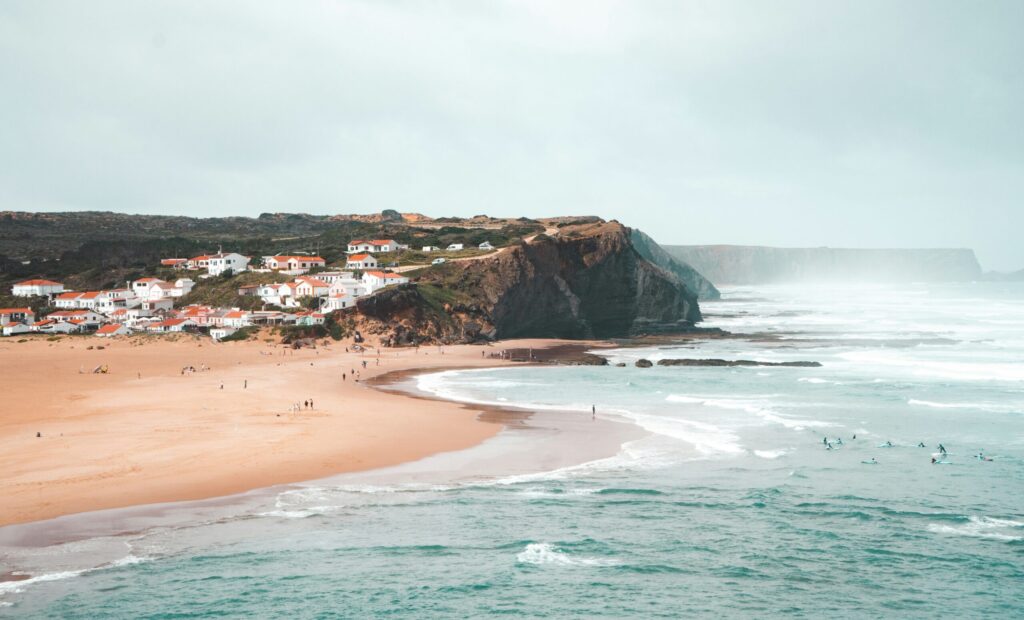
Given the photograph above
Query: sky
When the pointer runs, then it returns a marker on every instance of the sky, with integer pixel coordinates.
(846, 123)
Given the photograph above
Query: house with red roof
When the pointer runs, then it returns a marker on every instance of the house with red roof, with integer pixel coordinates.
(37, 288)
(376, 280)
(292, 263)
(113, 329)
(372, 245)
(177, 263)
(361, 261)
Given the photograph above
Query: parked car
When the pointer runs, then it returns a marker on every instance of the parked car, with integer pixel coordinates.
(438, 261)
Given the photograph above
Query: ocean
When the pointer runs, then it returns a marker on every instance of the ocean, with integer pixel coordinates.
(737, 492)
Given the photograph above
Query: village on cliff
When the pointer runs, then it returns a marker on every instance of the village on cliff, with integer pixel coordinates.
(152, 305)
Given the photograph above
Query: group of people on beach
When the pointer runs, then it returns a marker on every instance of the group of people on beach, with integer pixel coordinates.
(192, 369)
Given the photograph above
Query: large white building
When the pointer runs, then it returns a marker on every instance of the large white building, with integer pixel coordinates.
(377, 280)
(37, 288)
(230, 261)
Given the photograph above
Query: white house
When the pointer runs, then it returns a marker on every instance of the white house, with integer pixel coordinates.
(156, 305)
(198, 262)
(349, 287)
(56, 327)
(113, 329)
(377, 280)
(237, 318)
(37, 288)
(13, 329)
(176, 263)
(294, 264)
(337, 301)
(170, 325)
(331, 277)
(455, 247)
(81, 316)
(431, 248)
(486, 245)
(230, 261)
(361, 261)
(309, 318)
(220, 333)
(373, 245)
(9, 316)
(167, 290)
(310, 287)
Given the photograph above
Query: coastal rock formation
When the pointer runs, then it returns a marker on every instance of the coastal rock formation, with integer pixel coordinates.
(654, 253)
(643, 363)
(733, 264)
(588, 281)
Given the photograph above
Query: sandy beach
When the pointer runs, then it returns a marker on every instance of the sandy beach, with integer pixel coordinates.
(148, 433)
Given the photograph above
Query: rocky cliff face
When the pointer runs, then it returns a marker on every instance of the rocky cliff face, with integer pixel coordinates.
(650, 250)
(587, 282)
(730, 264)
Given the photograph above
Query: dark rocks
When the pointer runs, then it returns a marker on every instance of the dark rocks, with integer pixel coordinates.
(644, 363)
(721, 362)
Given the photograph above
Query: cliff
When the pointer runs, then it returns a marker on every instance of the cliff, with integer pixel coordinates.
(731, 264)
(654, 253)
(588, 281)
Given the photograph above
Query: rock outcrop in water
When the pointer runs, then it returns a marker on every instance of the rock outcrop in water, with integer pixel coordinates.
(689, 276)
(734, 264)
(587, 281)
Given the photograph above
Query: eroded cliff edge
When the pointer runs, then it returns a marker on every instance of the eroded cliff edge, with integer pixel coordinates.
(583, 281)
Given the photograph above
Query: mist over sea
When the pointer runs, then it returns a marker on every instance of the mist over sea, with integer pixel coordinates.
(730, 504)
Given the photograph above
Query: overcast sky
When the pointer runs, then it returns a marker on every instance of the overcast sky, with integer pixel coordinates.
(859, 124)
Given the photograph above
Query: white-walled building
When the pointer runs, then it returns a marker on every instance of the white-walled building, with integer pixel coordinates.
(377, 280)
(37, 288)
(455, 247)
(331, 277)
(113, 329)
(9, 316)
(361, 261)
(373, 245)
(170, 325)
(220, 333)
(226, 261)
(79, 316)
(198, 262)
(310, 287)
(293, 264)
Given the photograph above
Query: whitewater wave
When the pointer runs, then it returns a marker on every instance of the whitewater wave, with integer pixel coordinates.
(540, 554)
(771, 454)
(960, 371)
(994, 408)
(752, 407)
(1007, 530)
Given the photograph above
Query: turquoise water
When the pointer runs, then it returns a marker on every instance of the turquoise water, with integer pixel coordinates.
(730, 506)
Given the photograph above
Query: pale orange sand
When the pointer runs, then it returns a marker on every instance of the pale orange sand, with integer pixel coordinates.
(117, 440)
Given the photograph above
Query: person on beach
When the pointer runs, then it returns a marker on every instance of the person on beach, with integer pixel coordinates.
(222, 385)
(343, 377)
(310, 403)
(593, 412)
(245, 386)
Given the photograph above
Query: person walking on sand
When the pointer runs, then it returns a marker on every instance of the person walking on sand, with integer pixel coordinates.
(310, 403)
(593, 412)
(245, 386)
(222, 385)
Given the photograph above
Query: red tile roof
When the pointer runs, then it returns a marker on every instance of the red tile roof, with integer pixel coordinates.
(38, 283)
(358, 257)
(109, 329)
(16, 311)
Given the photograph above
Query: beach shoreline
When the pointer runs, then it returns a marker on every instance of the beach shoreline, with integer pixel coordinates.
(152, 432)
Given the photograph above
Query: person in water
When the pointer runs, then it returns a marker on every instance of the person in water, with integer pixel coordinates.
(888, 444)
(839, 441)
(942, 448)
(824, 440)
(920, 444)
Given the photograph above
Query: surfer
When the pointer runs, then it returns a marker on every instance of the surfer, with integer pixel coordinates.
(824, 441)
(839, 441)
(828, 446)
(888, 444)
(942, 448)
(920, 444)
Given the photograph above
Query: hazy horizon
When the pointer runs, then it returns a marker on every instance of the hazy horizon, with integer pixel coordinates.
(795, 124)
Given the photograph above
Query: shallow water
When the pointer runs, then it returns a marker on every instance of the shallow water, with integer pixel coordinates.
(732, 505)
